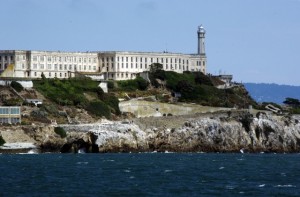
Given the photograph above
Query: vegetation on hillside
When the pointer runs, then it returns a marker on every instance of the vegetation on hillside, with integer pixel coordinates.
(72, 92)
(198, 88)
(17, 86)
(294, 105)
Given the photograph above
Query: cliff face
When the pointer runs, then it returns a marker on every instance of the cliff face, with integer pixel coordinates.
(221, 132)
(210, 134)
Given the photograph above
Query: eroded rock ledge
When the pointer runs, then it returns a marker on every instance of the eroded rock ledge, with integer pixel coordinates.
(210, 132)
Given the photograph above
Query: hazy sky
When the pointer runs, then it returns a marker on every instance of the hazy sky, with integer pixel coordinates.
(255, 40)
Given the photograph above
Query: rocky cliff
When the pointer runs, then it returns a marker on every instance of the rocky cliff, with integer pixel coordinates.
(210, 132)
(222, 132)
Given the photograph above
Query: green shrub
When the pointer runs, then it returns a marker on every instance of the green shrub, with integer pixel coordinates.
(99, 108)
(13, 102)
(2, 141)
(113, 102)
(142, 83)
(17, 86)
(133, 84)
(110, 85)
(60, 131)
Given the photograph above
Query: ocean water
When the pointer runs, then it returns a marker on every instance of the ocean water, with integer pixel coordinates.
(150, 174)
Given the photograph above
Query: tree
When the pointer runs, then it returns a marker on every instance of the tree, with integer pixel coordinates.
(155, 67)
(292, 102)
(17, 86)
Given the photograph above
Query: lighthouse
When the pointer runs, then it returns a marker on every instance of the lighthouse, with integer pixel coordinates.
(201, 40)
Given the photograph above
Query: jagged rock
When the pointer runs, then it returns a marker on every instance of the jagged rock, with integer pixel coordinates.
(205, 132)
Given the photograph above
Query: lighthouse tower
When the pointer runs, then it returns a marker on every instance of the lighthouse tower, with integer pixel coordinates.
(201, 40)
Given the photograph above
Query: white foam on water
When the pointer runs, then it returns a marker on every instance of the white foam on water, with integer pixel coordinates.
(127, 171)
(131, 177)
(282, 174)
(221, 168)
(166, 171)
(262, 185)
(109, 160)
(285, 186)
(230, 187)
(82, 163)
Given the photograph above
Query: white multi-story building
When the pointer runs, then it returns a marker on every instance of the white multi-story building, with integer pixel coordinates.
(109, 65)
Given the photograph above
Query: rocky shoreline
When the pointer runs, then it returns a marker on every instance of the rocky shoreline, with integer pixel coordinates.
(234, 131)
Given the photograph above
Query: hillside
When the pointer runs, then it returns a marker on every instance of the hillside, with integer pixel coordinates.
(80, 100)
(263, 92)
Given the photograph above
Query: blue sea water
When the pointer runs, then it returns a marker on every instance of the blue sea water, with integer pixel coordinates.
(150, 174)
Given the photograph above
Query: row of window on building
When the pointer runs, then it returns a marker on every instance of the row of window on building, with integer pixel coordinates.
(64, 67)
(145, 59)
(52, 74)
(9, 110)
(6, 58)
(64, 59)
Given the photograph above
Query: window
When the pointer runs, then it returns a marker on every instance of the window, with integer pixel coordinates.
(95, 60)
(41, 66)
(80, 59)
(70, 67)
(34, 66)
(90, 68)
(84, 67)
(131, 59)
(35, 74)
(126, 59)
(60, 67)
(49, 74)
(49, 59)
(23, 57)
(126, 65)
(23, 66)
(60, 75)
(89, 60)
(94, 67)
(112, 59)
(34, 58)
(65, 67)
(65, 74)
(55, 74)
(203, 63)
(59, 59)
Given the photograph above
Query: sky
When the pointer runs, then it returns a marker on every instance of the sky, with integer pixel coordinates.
(254, 40)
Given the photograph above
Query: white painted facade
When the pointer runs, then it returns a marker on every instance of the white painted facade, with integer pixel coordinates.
(101, 65)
